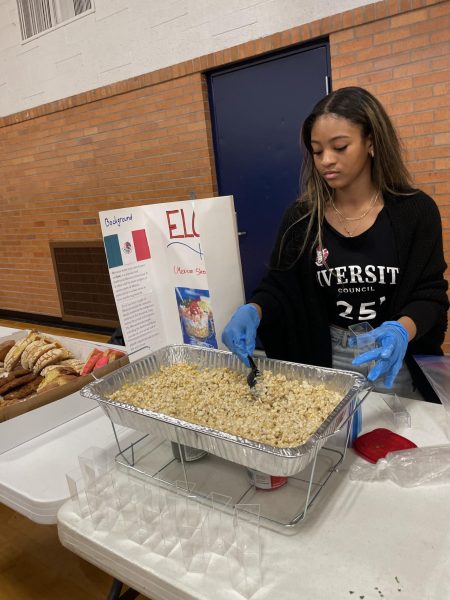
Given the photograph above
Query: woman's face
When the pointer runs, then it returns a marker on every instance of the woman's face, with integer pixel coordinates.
(340, 152)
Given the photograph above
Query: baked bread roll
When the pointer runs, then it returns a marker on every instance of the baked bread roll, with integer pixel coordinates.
(58, 367)
(13, 356)
(55, 378)
(24, 391)
(6, 377)
(73, 363)
(5, 347)
(18, 371)
(51, 357)
(15, 382)
(34, 351)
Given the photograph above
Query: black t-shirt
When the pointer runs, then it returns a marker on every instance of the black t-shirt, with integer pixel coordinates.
(359, 273)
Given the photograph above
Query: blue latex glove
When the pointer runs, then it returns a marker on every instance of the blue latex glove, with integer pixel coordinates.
(392, 340)
(239, 334)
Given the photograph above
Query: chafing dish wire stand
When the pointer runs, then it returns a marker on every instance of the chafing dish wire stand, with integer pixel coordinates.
(223, 471)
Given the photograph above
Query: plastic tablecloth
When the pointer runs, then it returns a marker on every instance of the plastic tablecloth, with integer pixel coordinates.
(360, 540)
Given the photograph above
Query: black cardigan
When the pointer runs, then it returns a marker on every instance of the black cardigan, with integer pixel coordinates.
(294, 323)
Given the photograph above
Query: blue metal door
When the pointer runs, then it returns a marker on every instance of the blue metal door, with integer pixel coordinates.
(257, 110)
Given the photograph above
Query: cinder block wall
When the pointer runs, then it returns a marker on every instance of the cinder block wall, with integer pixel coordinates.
(148, 139)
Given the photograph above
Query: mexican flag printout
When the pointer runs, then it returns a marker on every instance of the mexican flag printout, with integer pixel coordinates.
(175, 271)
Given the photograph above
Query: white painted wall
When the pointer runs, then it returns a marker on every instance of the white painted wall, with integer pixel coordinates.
(124, 38)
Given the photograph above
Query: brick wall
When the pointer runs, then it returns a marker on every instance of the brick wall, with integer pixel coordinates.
(148, 139)
(404, 59)
(59, 170)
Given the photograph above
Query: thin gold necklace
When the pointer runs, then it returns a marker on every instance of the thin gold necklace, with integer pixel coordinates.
(342, 216)
(342, 222)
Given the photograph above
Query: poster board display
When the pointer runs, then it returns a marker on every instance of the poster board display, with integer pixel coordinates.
(175, 271)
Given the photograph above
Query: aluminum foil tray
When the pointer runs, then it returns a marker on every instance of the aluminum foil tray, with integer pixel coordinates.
(255, 455)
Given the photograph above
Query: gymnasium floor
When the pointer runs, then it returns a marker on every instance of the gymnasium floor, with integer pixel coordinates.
(33, 563)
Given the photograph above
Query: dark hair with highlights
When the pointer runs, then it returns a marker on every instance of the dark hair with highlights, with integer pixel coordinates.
(389, 172)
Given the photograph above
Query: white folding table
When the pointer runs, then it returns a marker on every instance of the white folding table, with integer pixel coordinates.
(359, 540)
(33, 474)
(366, 540)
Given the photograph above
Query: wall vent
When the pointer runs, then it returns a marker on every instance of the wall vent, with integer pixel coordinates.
(84, 286)
(37, 16)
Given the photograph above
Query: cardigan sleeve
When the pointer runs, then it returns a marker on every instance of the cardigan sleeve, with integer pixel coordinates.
(426, 302)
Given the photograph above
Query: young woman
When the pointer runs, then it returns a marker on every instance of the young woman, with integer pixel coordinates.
(359, 245)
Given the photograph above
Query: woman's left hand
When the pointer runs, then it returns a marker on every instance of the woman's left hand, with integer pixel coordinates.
(392, 340)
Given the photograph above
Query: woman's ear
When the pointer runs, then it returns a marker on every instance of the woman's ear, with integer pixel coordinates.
(370, 146)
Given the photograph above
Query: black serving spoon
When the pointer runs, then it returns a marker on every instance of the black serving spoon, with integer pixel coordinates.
(254, 377)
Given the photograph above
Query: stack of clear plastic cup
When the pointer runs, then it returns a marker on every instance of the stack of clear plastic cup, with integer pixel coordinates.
(165, 533)
(75, 483)
(244, 555)
(158, 516)
(98, 462)
(134, 515)
(191, 526)
(96, 473)
(220, 535)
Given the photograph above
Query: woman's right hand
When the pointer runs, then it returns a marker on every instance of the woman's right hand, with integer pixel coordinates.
(239, 334)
